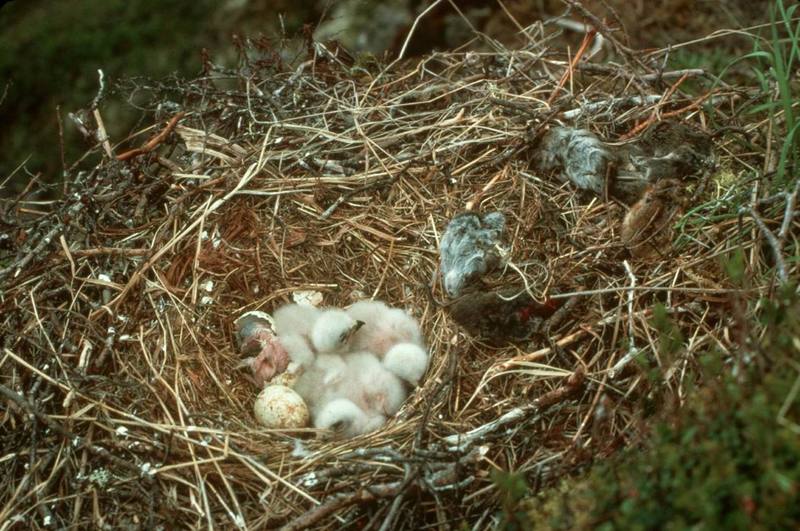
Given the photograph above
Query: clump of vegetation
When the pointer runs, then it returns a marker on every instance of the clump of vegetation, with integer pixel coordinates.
(513, 490)
(730, 459)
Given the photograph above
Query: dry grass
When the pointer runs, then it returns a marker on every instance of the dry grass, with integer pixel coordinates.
(122, 404)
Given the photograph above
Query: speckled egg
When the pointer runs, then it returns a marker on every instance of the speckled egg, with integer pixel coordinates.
(278, 406)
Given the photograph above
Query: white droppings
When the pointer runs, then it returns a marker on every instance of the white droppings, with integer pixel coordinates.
(122, 431)
(147, 469)
(309, 480)
(300, 450)
(216, 239)
(209, 286)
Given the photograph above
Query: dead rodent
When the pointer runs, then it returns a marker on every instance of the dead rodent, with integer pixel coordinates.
(647, 228)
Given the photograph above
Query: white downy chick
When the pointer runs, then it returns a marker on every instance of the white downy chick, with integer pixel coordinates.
(372, 386)
(293, 325)
(383, 327)
(344, 417)
(321, 381)
(408, 361)
(298, 348)
(333, 331)
(295, 319)
(351, 393)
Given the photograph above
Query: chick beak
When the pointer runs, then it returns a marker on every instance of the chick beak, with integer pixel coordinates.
(347, 336)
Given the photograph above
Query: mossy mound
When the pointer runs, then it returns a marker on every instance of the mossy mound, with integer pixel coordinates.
(728, 459)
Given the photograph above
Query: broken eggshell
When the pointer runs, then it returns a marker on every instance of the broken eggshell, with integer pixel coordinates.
(307, 298)
(280, 407)
(253, 324)
(255, 334)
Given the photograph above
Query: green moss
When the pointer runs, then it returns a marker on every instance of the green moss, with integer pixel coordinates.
(730, 459)
(512, 489)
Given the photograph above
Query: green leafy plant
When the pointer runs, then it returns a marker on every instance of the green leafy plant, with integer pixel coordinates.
(775, 61)
(512, 489)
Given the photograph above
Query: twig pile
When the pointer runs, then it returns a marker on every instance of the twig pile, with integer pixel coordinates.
(121, 402)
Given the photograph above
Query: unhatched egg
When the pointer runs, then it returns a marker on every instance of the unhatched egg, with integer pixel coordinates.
(278, 406)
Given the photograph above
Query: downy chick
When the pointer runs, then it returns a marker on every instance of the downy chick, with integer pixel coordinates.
(333, 331)
(408, 361)
(350, 393)
(372, 386)
(267, 355)
(295, 319)
(383, 327)
(293, 324)
(345, 418)
(270, 361)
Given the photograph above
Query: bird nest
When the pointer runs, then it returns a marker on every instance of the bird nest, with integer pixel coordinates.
(124, 403)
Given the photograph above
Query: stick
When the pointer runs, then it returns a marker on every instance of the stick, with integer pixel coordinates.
(154, 142)
(345, 499)
(632, 350)
(461, 441)
(74, 439)
(568, 72)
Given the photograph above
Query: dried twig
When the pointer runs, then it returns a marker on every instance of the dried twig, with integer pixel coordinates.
(154, 142)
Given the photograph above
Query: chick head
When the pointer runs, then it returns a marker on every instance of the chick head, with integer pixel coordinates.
(344, 418)
(333, 331)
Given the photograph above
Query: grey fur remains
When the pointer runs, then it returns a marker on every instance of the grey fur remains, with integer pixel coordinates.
(468, 248)
(582, 157)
